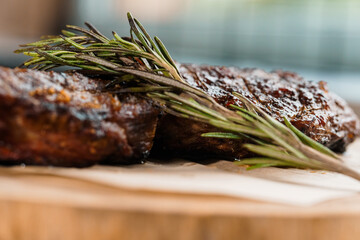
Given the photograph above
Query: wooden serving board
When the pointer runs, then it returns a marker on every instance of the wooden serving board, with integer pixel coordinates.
(46, 206)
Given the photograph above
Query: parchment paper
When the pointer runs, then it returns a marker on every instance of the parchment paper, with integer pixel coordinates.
(287, 186)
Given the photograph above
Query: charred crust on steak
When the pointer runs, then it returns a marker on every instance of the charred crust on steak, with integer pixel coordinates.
(60, 119)
(66, 119)
(310, 107)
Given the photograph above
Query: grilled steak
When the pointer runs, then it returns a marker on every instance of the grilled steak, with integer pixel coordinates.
(49, 118)
(309, 106)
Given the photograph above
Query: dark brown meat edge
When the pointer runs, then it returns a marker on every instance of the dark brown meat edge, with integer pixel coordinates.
(309, 106)
(49, 118)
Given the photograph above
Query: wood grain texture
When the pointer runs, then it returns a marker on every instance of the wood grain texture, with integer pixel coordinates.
(49, 207)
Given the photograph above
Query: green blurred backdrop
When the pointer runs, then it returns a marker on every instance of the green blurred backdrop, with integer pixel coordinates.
(320, 39)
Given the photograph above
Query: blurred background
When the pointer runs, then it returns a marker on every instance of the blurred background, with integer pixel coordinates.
(319, 39)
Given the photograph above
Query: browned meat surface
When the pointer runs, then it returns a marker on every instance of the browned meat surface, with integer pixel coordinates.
(309, 106)
(48, 118)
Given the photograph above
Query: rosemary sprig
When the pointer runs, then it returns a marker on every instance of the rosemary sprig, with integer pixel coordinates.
(146, 62)
(278, 145)
(138, 53)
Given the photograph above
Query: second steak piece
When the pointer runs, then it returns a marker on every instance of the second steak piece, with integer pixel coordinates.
(49, 118)
(309, 106)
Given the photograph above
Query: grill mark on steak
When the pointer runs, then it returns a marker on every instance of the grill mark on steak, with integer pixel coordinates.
(63, 119)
